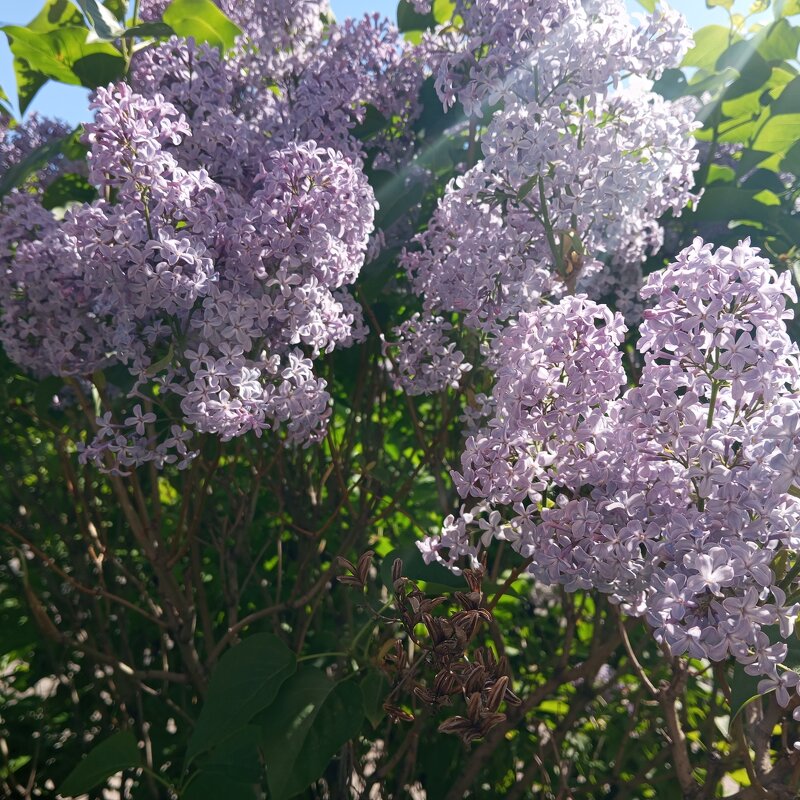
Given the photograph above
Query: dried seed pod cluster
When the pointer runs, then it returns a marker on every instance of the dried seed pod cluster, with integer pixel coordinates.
(444, 642)
(359, 572)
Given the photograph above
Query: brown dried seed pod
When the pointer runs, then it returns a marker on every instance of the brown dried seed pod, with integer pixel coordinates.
(398, 714)
(346, 563)
(446, 683)
(456, 725)
(472, 736)
(349, 580)
(364, 564)
(434, 602)
(489, 721)
(427, 697)
(474, 706)
(473, 579)
(486, 657)
(448, 648)
(397, 569)
(470, 600)
(496, 693)
(512, 699)
(476, 680)
(463, 634)
(432, 624)
(398, 657)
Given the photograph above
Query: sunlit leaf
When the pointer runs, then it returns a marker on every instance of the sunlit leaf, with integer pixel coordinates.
(101, 20)
(202, 21)
(709, 44)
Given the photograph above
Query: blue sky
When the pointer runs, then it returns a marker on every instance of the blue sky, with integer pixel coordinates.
(69, 102)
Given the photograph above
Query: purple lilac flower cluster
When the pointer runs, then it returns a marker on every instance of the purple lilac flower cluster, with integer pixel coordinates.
(290, 78)
(18, 141)
(580, 158)
(233, 214)
(677, 497)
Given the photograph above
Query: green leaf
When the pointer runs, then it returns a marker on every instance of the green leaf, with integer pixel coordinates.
(211, 786)
(765, 179)
(434, 119)
(791, 161)
(787, 8)
(5, 106)
(305, 727)
(56, 14)
(671, 85)
(203, 21)
(443, 10)
(408, 19)
(231, 771)
(557, 707)
(101, 20)
(649, 5)
(374, 688)
(723, 3)
(750, 159)
(415, 568)
(744, 689)
(116, 753)
(753, 70)
(726, 203)
(119, 8)
(788, 101)
(28, 83)
(395, 200)
(148, 30)
(68, 188)
(62, 54)
(767, 198)
(778, 41)
(710, 43)
(778, 133)
(47, 53)
(373, 123)
(720, 173)
(245, 682)
(17, 175)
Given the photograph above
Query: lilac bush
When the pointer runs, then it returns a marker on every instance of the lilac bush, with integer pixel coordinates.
(490, 276)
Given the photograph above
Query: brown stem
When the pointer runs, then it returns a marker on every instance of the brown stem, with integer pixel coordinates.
(668, 698)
